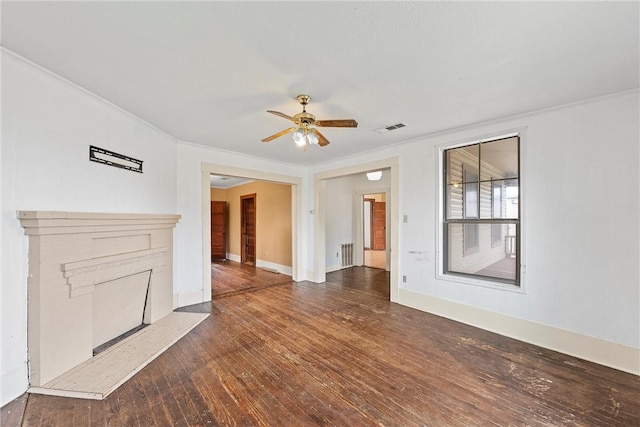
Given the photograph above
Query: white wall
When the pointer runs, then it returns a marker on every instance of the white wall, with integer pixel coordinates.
(581, 226)
(339, 218)
(580, 217)
(48, 125)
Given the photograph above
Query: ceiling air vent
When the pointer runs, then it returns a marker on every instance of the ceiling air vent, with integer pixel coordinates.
(390, 128)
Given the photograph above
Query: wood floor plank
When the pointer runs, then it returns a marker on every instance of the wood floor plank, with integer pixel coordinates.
(339, 353)
(12, 413)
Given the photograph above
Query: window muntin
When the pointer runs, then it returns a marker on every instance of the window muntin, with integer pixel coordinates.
(497, 211)
(481, 210)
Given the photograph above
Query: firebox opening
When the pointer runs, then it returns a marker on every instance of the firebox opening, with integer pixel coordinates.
(119, 306)
(102, 347)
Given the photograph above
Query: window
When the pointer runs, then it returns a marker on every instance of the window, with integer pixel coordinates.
(481, 208)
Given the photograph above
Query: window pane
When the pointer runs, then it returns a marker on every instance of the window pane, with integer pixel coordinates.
(455, 158)
(470, 239)
(499, 159)
(486, 204)
(470, 191)
(489, 260)
(499, 199)
(454, 201)
(511, 198)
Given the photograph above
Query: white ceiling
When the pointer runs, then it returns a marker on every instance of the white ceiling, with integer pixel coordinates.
(224, 182)
(205, 72)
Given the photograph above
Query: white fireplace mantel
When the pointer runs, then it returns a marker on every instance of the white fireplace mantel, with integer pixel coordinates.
(72, 253)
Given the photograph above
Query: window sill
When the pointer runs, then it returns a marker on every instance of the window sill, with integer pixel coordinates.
(508, 287)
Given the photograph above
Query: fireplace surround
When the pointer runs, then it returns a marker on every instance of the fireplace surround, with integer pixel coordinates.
(92, 277)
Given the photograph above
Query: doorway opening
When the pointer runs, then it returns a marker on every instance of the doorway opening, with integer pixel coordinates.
(374, 235)
(324, 242)
(256, 220)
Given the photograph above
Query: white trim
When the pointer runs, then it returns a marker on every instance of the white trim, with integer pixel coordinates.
(184, 299)
(268, 265)
(319, 231)
(521, 132)
(207, 169)
(614, 355)
(233, 257)
(205, 178)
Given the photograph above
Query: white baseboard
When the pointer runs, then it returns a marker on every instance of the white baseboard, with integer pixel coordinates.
(339, 267)
(189, 298)
(618, 356)
(267, 265)
(14, 382)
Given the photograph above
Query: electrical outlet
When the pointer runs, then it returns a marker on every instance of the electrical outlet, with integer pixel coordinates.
(404, 279)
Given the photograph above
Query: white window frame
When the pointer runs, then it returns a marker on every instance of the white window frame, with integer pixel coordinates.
(521, 132)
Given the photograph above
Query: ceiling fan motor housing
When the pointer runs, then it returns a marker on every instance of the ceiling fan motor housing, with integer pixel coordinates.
(304, 118)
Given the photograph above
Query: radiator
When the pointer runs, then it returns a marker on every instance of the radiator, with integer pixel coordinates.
(346, 250)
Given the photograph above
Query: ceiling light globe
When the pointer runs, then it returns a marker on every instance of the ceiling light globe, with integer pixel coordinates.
(313, 138)
(374, 176)
(299, 137)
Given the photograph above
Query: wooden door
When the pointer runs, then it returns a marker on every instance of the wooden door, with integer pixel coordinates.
(378, 226)
(218, 230)
(248, 229)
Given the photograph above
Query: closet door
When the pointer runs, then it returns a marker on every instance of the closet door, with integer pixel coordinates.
(378, 226)
(218, 230)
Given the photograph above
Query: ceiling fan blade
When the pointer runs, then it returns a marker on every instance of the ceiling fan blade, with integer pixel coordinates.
(279, 134)
(322, 141)
(278, 113)
(346, 123)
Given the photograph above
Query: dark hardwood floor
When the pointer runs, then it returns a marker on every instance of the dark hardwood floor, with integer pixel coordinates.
(230, 277)
(11, 413)
(340, 354)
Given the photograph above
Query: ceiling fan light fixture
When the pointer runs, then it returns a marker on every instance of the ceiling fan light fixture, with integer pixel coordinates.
(304, 136)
